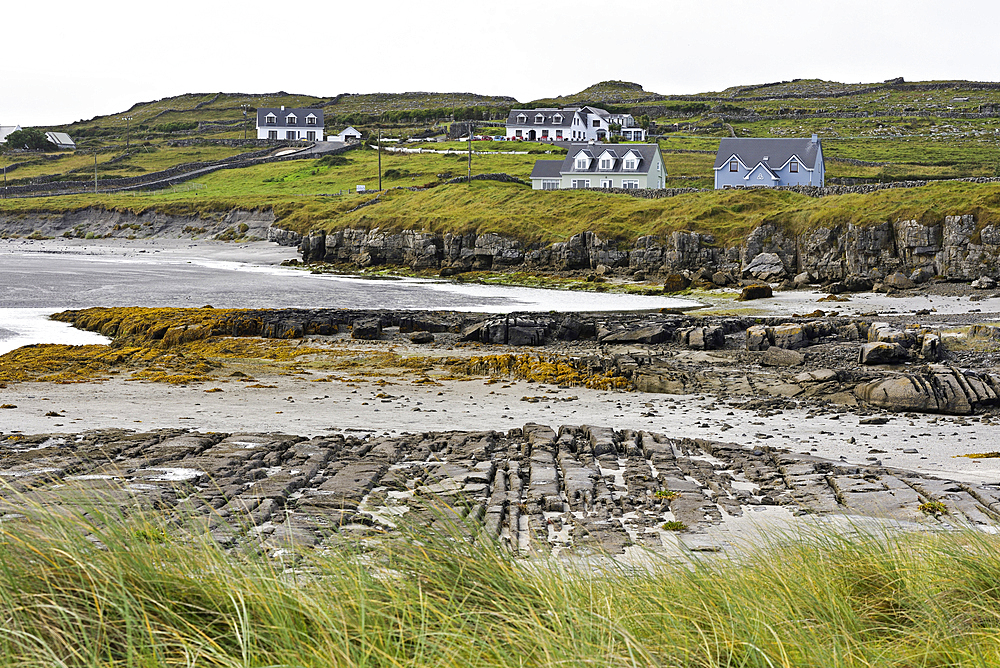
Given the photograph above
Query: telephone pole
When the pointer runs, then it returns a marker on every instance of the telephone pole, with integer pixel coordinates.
(246, 108)
(127, 119)
(95, 171)
(470, 153)
(380, 159)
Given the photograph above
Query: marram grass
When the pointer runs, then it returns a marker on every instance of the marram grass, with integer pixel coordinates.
(112, 588)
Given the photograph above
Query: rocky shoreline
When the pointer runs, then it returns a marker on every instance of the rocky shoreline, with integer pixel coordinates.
(580, 490)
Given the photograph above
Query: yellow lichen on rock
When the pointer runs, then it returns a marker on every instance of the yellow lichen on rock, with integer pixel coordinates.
(551, 369)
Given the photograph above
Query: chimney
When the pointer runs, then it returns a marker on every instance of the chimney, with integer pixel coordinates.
(283, 108)
(815, 138)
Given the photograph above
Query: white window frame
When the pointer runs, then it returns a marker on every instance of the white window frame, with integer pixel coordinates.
(581, 183)
(550, 184)
(539, 119)
(270, 119)
(630, 184)
(522, 119)
(310, 120)
(606, 164)
(557, 119)
(272, 134)
(291, 119)
(581, 162)
(630, 164)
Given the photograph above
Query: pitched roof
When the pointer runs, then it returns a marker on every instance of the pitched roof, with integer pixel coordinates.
(547, 116)
(546, 169)
(6, 130)
(280, 115)
(60, 139)
(776, 151)
(646, 152)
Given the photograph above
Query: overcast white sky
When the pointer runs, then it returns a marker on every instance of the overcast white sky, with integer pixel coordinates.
(68, 60)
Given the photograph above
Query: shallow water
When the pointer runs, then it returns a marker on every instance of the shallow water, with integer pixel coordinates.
(37, 280)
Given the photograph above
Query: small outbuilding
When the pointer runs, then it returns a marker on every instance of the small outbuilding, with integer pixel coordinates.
(348, 134)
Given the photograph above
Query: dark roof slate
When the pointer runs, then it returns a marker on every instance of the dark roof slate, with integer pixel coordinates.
(280, 115)
(753, 150)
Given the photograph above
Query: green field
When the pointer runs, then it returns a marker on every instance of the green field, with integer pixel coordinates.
(897, 131)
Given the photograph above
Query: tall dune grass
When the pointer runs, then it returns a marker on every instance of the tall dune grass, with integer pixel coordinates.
(109, 588)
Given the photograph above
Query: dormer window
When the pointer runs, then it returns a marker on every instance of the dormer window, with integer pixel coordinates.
(582, 162)
(539, 118)
(793, 166)
(734, 165)
(557, 119)
(522, 119)
(606, 164)
(310, 120)
(290, 119)
(270, 119)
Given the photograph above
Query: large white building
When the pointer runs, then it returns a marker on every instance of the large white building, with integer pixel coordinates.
(577, 124)
(295, 124)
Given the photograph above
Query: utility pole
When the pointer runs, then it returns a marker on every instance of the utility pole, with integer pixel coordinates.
(380, 159)
(470, 153)
(95, 171)
(126, 119)
(246, 108)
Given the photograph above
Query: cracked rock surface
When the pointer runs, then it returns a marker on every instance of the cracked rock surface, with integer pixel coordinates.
(580, 490)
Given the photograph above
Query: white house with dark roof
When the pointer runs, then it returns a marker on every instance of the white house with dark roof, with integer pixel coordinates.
(767, 162)
(592, 165)
(287, 123)
(570, 124)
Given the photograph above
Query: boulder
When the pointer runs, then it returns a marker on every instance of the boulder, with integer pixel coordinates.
(882, 353)
(921, 275)
(422, 337)
(938, 389)
(790, 336)
(858, 284)
(722, 279)
(775, 356)
(676, 283)
(755, 291)
(899, 281)
(984, 283)
(930, 347)
(759, 338)
(765, 267)
(367, 329)
(705, 338)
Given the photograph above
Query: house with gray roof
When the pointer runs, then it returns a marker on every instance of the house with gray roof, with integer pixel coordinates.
(60, 140)
(281, 123)
(769, 162)
(593, 165)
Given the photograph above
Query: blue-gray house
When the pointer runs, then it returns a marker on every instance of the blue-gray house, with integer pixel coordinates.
(757, 162)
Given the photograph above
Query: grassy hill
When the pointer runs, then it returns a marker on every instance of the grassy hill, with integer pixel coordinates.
(874, 132)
